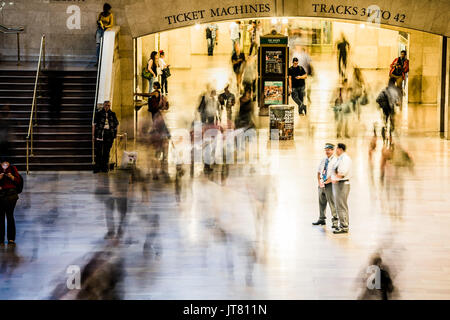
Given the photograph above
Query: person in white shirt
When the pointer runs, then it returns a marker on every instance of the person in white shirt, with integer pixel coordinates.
(163, 66)
(342, 171)
(235, 34)
(209, 107)
(326, 196)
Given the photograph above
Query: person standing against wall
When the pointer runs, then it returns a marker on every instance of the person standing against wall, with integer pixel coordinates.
(326, 196)
(211, 37)
(152, 67)
(104, 131)
(341, 186)
(164, 72)
(297, 76)
(105, 21)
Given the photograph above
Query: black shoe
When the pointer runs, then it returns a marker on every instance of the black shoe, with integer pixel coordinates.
(335, 227)
(319, 223)
(339, 231)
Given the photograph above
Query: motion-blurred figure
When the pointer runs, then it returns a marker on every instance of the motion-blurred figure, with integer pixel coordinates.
(342, 111)
(5, 135)
(304, 59)
(395, 162)
(358, 90)
(227, 99)
(100, 279)
(378, 285)
(388, 99)
(238, 61)
(159, 134)
(343, 47)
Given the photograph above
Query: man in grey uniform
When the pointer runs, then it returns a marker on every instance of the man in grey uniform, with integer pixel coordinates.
(341, 186)
(326, 196)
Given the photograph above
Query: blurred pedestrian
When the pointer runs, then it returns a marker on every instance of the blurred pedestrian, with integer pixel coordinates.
(343, 48)
(388, 99)
(235, 35)
(342, 171)
(211, 37)
(251, 71)
(342, 111)
(381, 286)
(227, 99)
(238, 62)
(159, 133)
(358, 91)
(324, 173)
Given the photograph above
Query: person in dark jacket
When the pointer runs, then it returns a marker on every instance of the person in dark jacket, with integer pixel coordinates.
(9, 181)
(104, 132)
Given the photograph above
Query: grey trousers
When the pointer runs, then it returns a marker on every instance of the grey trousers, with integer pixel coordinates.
(341, 191)
(326, 197)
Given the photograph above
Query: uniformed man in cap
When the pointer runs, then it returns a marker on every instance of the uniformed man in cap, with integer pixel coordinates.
(326, 196)
(342, 171)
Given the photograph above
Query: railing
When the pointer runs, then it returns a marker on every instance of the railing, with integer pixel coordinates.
(17, 31)
(99, 68)
(33, 113)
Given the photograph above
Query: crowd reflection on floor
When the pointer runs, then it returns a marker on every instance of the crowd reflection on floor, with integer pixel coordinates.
(248, 235)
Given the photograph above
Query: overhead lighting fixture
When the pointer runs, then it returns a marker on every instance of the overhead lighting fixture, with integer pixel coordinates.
(284, 20)
(274, 20)
(197, 26)
(362, 25)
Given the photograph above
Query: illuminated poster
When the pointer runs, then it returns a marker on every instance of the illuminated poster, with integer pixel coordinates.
(282, 122)
(274, 62)
(273, 92)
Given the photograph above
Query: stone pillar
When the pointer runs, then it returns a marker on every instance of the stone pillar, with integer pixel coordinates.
(447, 94)
(423, 81)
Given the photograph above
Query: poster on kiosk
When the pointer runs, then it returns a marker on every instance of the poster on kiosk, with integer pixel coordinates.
(273, 67)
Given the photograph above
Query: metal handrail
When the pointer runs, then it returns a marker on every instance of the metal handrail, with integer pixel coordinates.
(17, 31)
(99, 68)
(33, 113)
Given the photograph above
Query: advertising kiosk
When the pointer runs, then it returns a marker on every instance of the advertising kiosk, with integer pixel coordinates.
(273, 68)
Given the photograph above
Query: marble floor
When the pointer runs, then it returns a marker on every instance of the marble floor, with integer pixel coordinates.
(245, 235)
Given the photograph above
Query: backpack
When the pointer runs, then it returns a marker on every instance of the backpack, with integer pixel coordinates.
(19, 187)
(146, 74)
(383, 102)
(163, 103)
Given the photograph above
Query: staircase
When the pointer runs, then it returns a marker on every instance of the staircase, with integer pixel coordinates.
(63, 135)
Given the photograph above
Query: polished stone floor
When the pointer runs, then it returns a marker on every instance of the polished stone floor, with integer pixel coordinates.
(244, 236)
